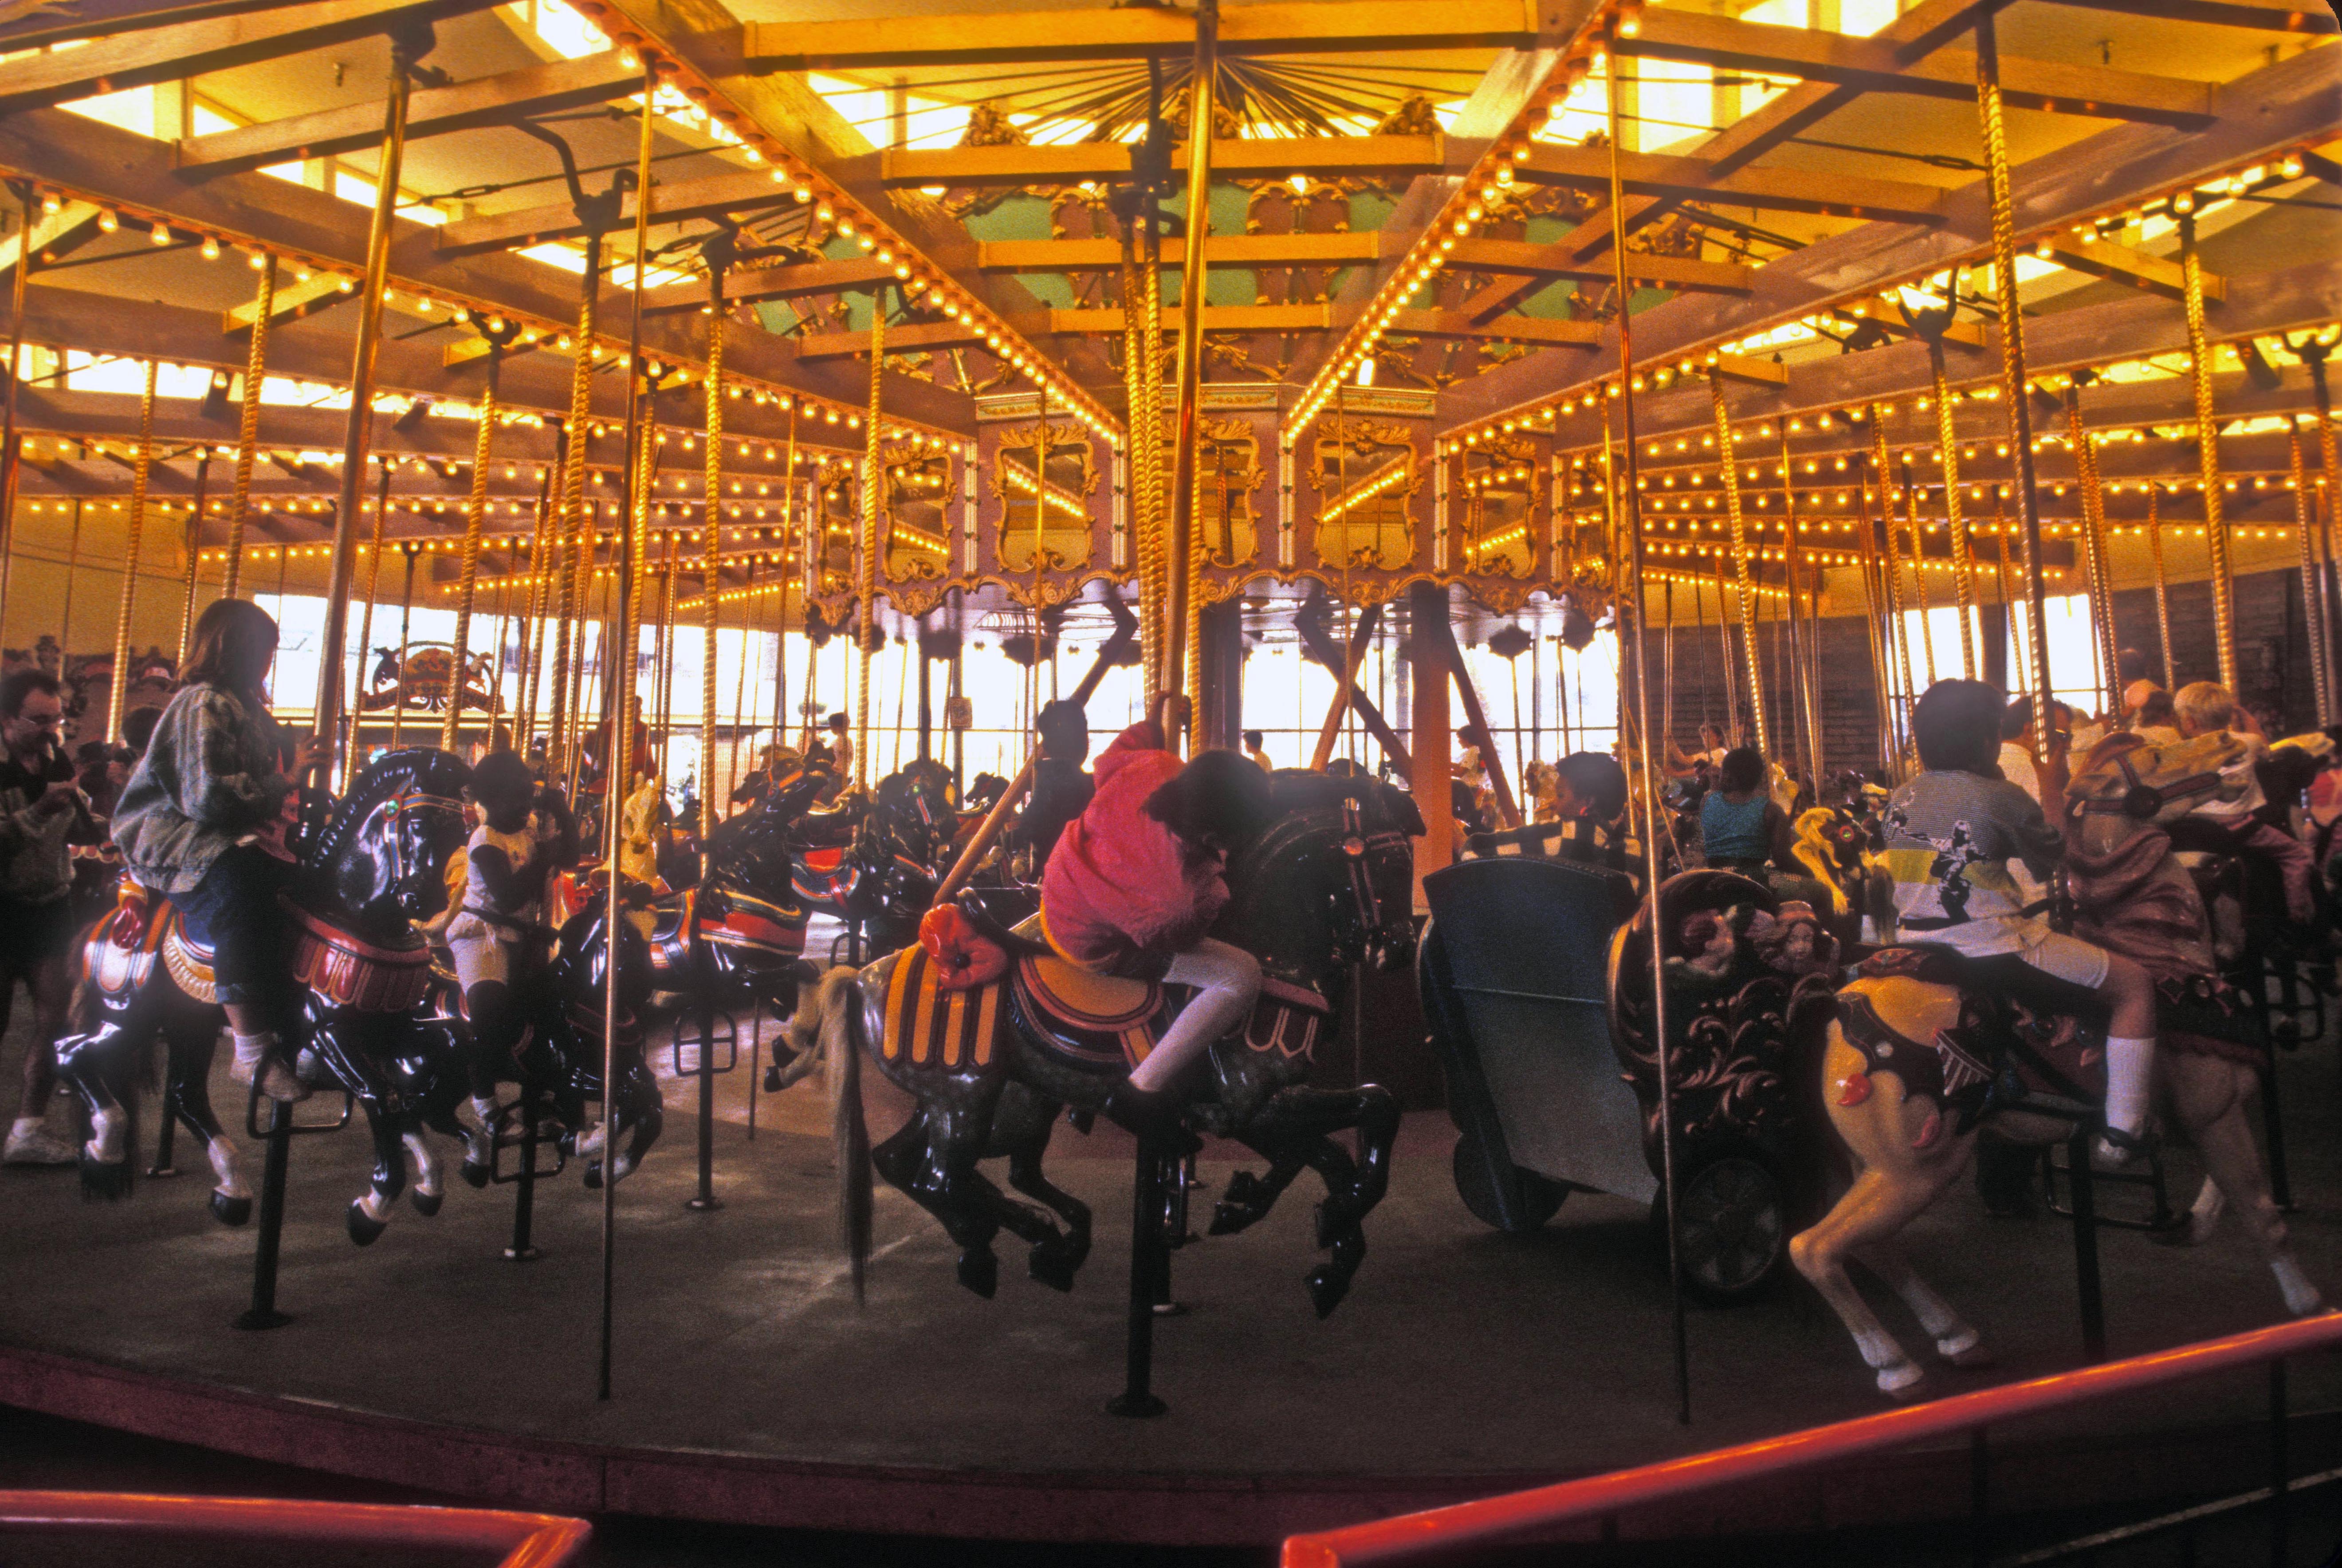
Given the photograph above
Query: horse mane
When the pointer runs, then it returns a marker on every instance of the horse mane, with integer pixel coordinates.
(1296, 790)
(425, 769)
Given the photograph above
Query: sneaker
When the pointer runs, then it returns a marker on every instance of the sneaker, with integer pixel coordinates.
(37, 1145)
(278, 1083)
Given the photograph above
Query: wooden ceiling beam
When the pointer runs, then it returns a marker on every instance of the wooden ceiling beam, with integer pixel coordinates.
(293, 301)
(709, 197)
(1233, 158)
(1694, 179)
(2266, 112)
(1138, 32)
(2140, 270)
(2135, 327)
(2312, 17)
(1870, 66)
(101, 163)
(217, 42)
(71, 226)
(1529, 259)
(541, 89)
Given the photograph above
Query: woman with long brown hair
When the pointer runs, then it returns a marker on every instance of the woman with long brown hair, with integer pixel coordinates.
(193, 825)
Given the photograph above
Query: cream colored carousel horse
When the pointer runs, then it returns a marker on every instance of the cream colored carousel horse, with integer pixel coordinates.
(1908, 1080)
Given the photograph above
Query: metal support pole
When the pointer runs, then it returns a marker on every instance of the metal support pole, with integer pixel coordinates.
(2162, 586)
(409, 42)
(468, 566)
(2014, 387)
(2094, 544)
(195, 556)
(140, 476)
(1149, 1263)
(2305, 523)
(2208, 449)
(247, 439)
(268, 1242)
(2087, 1286)
(11, 447)
(873, 480)
(1202, 99)
(629, 608)
(409, 548)
(1650, 759)
(523, 1249)
(1730, 463)
(1963, 555)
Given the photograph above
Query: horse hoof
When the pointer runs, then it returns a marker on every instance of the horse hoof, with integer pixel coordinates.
(594, 1176)
(1327, 1286)
(426, 1204)
(476, 1176)
(1053, 1264)
(1966, 1349)
(365, 1229)
(1228, 1218)
(230, 1210)
(1903, 1382)
(979, 1271)
(773, 1079)
(100, 1179)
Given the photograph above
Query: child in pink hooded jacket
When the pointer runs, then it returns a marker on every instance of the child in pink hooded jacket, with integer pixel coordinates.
(1138, 880)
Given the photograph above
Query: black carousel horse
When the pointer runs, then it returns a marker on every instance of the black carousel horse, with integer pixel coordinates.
(375, 867)
(1327, 885)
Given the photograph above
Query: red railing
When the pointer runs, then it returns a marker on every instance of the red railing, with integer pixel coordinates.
(520, 1540)
(1415, 1536)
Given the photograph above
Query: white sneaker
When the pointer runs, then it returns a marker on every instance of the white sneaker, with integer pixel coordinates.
(31, 1143)
(279, 1084)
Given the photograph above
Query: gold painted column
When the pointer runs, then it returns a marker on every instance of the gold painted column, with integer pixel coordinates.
(140, 474)
(468, 565)
(247, 440)
(1739, 536)
(1180, 612)
(2207, 450)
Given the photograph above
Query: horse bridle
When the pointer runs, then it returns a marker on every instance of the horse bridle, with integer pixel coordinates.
(1357, 847)
(2142, 801)
(403, 802)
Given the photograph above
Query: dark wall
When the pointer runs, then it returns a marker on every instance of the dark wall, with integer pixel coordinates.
(2272, 661)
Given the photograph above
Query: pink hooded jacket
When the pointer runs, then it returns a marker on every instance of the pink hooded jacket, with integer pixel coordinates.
(1121, 888)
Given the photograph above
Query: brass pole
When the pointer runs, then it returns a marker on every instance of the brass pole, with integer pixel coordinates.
(73, 570)
(1143, 451)
(872, 479)
(195, 555)
(11, 445)
(1181, 554)
(621, 731)
(2162, 586)
(1654, 824)
(2013, 386)
(1919, 575)
(2094, 542)
(366, 621)
(1155, 610)
(247, 439)
(408, 44)
(535, 592)
(573, 525)
(2207, 448)
(1733, 517)
(1963, 556)
(711, 573)
(1801, 692)
(468, 565)
(138, 483)
(1875, 599)
(2303, 522)
(409, 548)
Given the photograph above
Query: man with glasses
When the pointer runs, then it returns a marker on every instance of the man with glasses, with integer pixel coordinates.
(39, 807)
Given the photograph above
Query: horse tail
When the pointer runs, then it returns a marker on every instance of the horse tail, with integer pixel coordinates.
(833, 1008)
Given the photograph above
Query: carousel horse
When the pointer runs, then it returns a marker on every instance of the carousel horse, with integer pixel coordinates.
(377, 865)
(1834, 847)
(1916, 1063)
(1022, 1034)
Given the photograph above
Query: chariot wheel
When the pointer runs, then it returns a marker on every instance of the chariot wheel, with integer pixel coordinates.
(1524, 1202)
(1732, 1226)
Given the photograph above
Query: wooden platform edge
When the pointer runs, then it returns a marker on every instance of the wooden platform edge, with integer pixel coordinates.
(518, 1471)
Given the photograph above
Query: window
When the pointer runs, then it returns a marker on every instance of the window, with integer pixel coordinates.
(2074, 659)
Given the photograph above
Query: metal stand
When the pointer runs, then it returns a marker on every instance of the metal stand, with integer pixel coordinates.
(704, 1070)
(2085, 1245)
(268, 1245)
(1178, 1178)
(168, 1133)
(1149, 1263)
(523, 1250)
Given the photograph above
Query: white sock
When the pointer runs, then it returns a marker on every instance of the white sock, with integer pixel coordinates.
(251, 1050)
(2130, 1071)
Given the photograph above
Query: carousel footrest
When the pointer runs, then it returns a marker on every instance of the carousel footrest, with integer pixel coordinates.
(512, 1133)
(723, 1040)
(292, 1123)
(2159, 1217)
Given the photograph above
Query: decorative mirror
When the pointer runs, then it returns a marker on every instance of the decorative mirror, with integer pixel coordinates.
(1045, 514)
(918, 533)
(1498, 508)
(1365, 478)
(838, 514)
(1227, 471)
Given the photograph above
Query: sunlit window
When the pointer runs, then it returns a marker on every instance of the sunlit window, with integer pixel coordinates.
(2074, 656)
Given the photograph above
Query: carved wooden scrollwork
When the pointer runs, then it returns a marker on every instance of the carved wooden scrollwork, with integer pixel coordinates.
(1227, 473)
(919, 491)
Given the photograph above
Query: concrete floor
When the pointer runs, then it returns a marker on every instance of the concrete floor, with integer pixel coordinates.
(1462, 1358)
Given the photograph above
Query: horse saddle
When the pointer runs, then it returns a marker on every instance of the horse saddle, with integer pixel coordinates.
(828, 829)
(1986, 1051)
(731, 918)
(350, 971)
(118, 953)
(1099, 1023)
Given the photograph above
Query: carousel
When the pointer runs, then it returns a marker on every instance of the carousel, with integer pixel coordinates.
(1695, 512)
